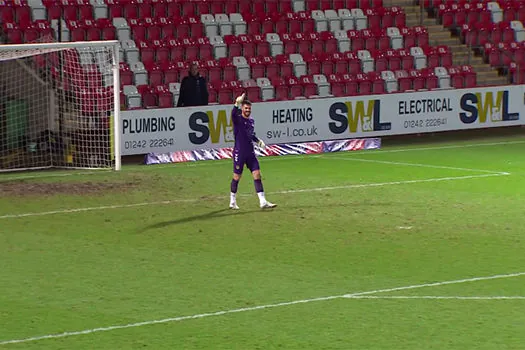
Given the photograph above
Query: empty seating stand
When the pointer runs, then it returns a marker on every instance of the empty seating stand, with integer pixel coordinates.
(495, 29)
(272, 49)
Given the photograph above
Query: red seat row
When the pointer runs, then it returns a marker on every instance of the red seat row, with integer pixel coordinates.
(342, 4)
(487, 32)
(185, 8)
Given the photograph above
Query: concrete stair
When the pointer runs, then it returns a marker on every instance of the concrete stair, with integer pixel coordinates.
(438, 35)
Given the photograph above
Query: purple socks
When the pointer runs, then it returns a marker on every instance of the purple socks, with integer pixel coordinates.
(258, 186)
(234, 185)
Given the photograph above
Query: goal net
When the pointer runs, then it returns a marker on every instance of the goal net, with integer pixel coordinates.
(59, 106)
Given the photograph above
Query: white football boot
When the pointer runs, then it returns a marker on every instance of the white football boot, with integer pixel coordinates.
(267, 205)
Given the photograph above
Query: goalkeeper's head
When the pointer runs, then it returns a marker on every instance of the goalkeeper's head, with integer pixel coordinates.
(246, 108)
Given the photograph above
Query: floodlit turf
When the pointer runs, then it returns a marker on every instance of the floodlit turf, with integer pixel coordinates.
(158, 242)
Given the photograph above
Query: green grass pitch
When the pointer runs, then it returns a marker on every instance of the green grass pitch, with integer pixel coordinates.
(428, 240)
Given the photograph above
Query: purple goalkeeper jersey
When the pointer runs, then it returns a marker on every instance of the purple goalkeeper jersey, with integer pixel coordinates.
(243, 129)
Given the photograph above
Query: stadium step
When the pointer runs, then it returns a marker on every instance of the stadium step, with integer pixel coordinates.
(461, 54)
(491, 78)
(464, 57)
(401, 3)
(413, 19)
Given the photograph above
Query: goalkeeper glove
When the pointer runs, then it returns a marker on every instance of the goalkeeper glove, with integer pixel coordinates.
(261, 144)
(238, 101)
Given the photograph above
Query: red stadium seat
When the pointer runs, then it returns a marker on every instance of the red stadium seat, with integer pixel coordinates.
(421, 36)
(378, 84)
(337, 87)
(351, 84)
(340, 63)
(225, 95)
(149, 99)
(173, 10)
(262, 45)
(313, 63)
(354, 64)
(176, 49)
(365, 84)
(286, 67)
(281, 88)
(257, 67)
(228, 69)
(249, 48)
(445, 56)
(108, 31)
(233, 45)
(138, 29)
(165, 97)
(160, 10)
(330, 42)
(296, 89)
(308, 86)
(219, 6)
(381, 61)
(155, 74)
(356, 40)
(7, 14)
(93, 34)
(126, 75)
(373, 17)
(327, 64)
(85, 12)
(253, 93)
(130, 10)
(147, 53)
(404, 80)
(171, 74)
(162, 52)
(470, 76)
(290, 45)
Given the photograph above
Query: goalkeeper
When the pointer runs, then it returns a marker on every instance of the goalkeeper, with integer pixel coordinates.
(244, 152)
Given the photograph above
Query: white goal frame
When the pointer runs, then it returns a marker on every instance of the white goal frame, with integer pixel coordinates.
(114, 48)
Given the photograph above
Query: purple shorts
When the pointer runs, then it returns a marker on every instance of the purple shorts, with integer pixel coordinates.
(241, 159)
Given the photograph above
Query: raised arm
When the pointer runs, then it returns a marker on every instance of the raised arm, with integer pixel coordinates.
(236, 115)
(236, 111)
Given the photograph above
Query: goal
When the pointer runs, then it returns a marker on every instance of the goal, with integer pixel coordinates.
(60, 106)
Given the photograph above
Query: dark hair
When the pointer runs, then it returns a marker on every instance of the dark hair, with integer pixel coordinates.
(246, 102)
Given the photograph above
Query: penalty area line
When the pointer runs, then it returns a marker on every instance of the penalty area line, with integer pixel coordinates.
(254, 308)
(415, 165)
(304, 190)
(437, 297)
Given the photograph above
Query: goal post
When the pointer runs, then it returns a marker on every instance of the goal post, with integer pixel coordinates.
(60, 106)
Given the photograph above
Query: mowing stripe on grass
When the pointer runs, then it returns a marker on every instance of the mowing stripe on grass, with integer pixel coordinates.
(415, 164)
(192, 200)
(411, 149)
(254, 308)
(436, 297)
(265, 159)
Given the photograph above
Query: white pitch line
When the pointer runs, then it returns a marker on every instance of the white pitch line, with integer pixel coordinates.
(153, 167)
(103, 207)
(189, 200)
(38, 176)
(353, 159)
(379, 184)
(412, 149)
(437, 284)
(436, 297)
(253, 308)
